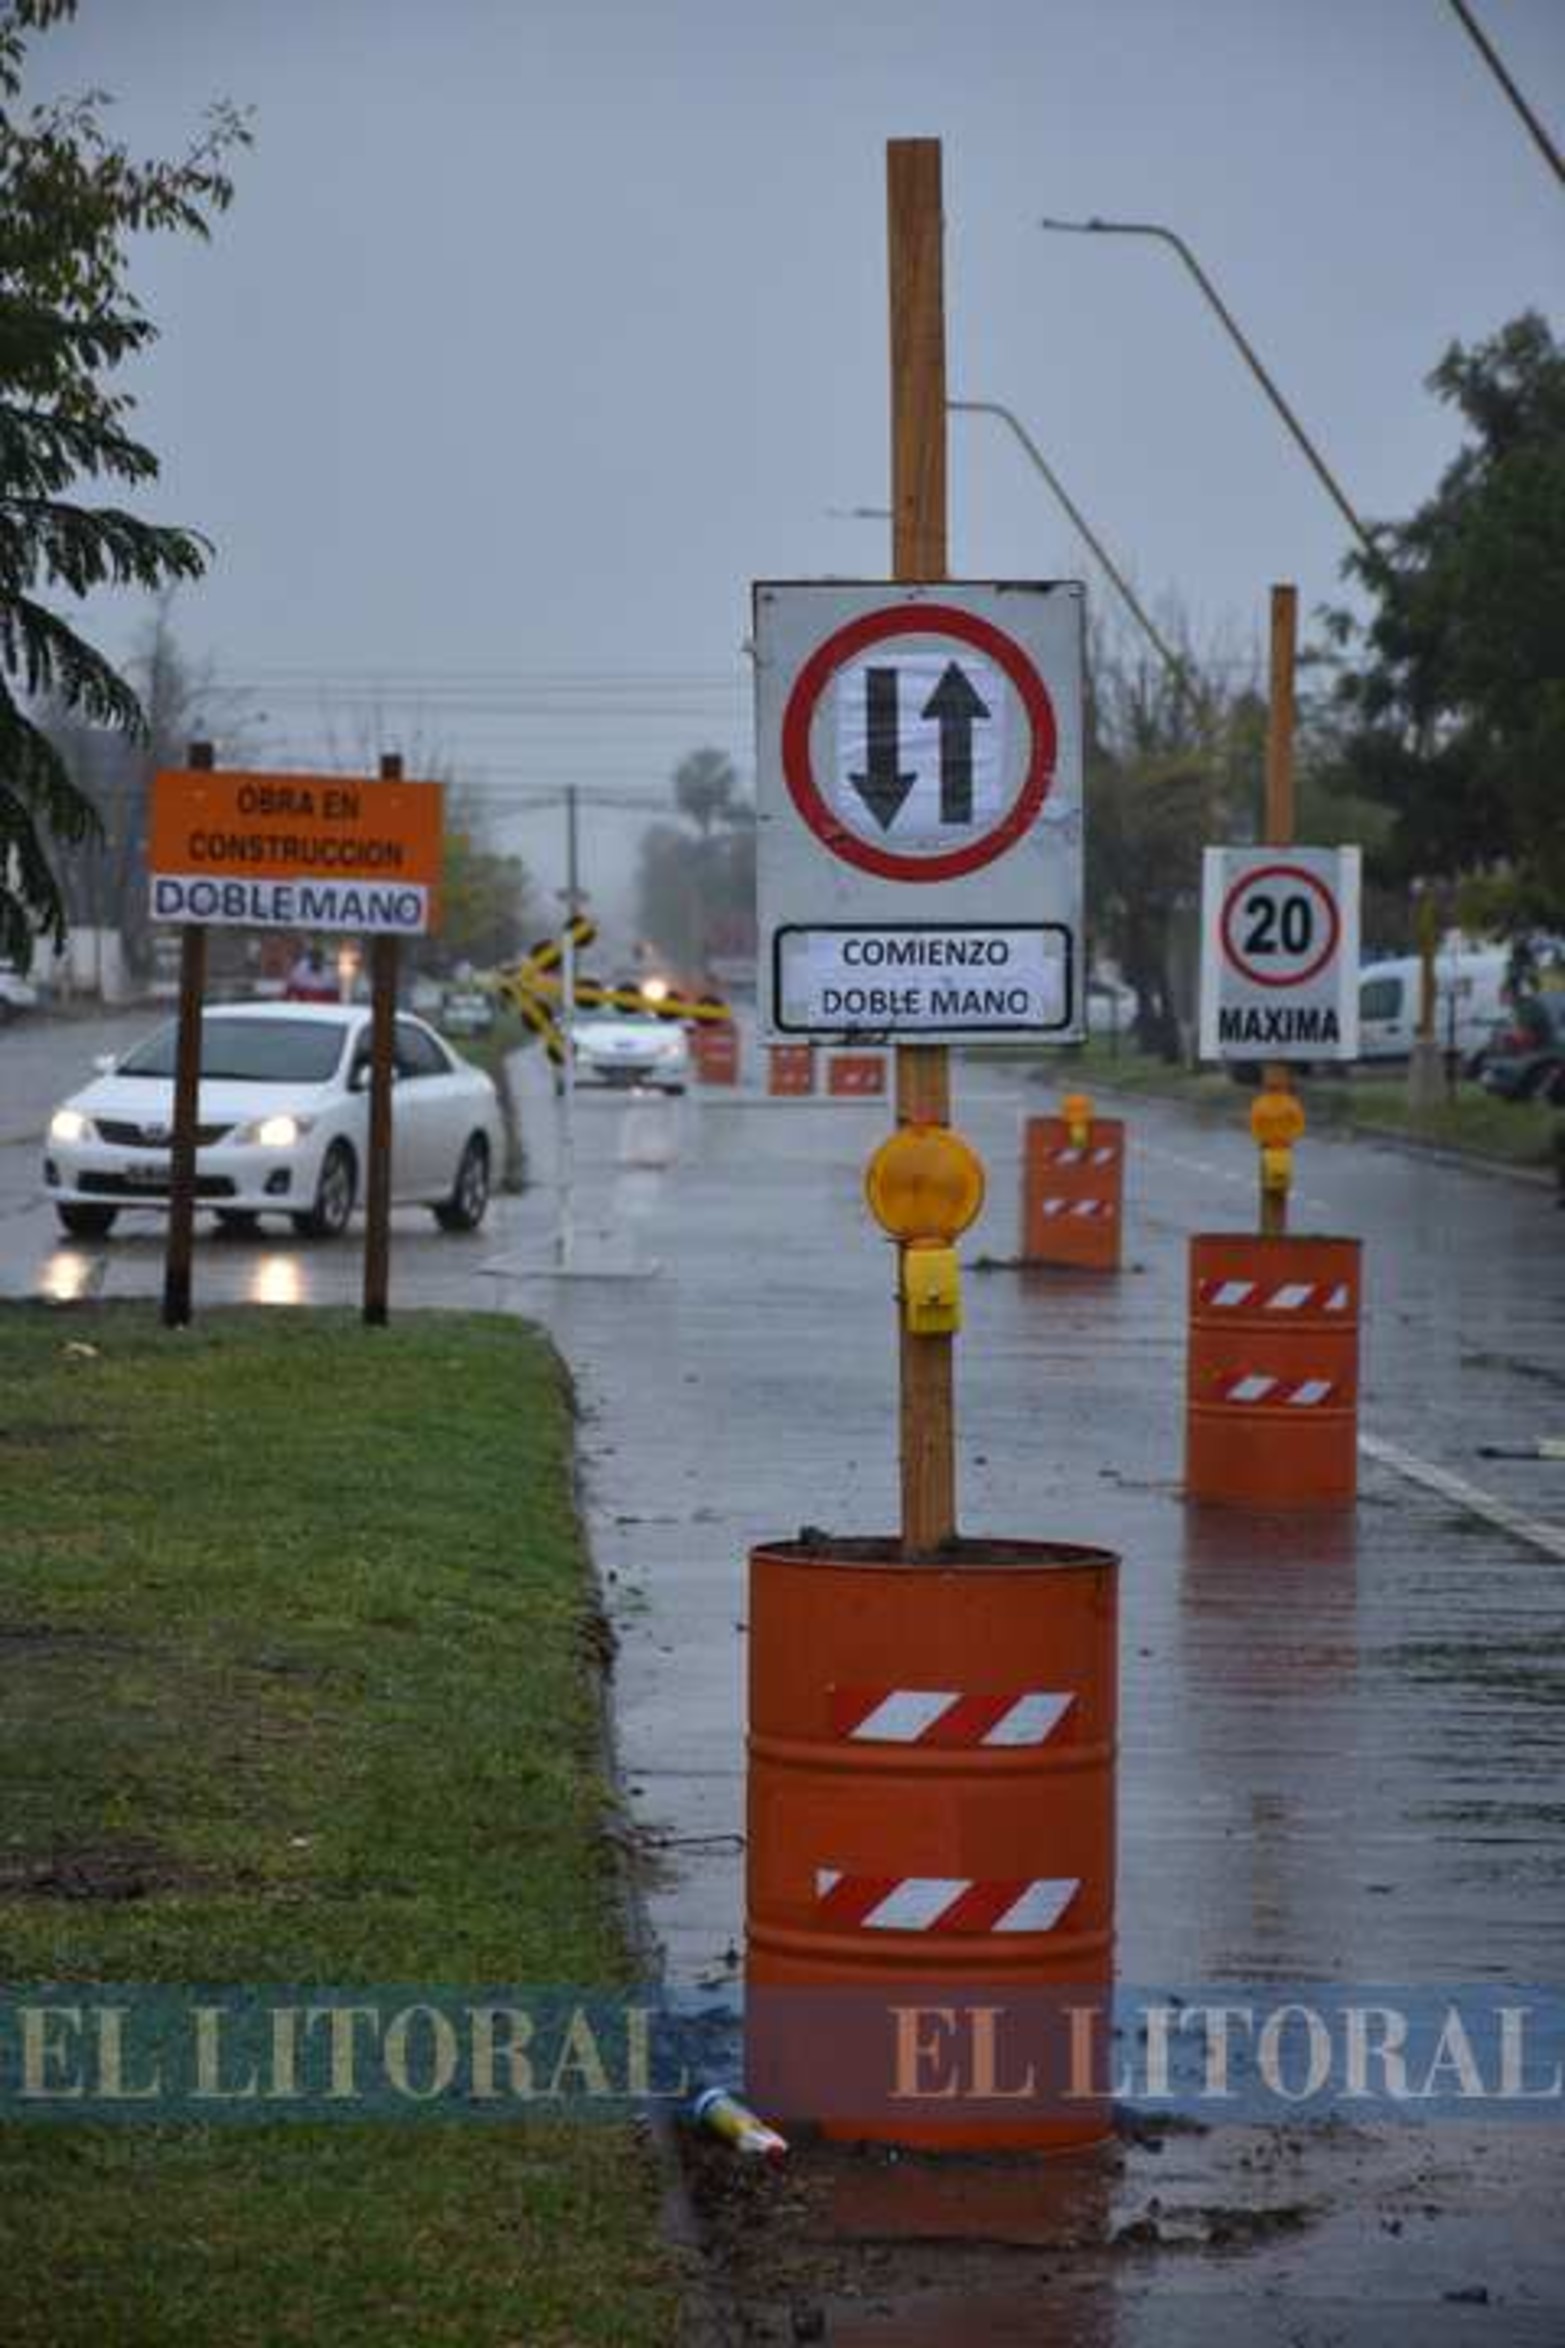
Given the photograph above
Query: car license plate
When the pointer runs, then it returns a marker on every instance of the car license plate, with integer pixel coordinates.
(146, 1177)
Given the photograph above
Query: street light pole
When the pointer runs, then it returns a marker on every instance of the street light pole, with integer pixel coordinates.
(566, 1231)
(1165, 651)
(1167, 236)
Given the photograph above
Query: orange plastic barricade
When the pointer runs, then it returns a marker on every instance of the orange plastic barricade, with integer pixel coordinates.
(790, 1071)
(850, 1073)
(931, 1816)
(1072, 1194)
(1272, 1398)
(714, 1047)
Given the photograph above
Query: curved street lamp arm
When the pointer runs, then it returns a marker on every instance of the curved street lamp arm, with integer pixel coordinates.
(1492, 58)
(1165, 652)
(1317, 462)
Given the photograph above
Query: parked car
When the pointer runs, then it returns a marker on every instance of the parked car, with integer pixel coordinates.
(282, 1124)
(1111, 1007)
(1525, 1059)
(1469, 998)
(15, 993)
(632, 1047)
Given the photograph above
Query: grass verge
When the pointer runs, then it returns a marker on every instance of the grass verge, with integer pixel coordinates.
(1475, 1123)
(297, 1684)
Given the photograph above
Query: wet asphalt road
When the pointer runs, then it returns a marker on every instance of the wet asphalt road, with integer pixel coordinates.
(1342, 1738)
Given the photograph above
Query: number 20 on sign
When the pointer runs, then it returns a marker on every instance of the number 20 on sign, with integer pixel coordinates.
(1280, 954)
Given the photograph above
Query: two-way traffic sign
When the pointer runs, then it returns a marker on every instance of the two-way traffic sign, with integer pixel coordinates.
(919, 803)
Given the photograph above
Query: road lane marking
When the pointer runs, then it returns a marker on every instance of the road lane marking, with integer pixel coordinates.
(1531, 1529)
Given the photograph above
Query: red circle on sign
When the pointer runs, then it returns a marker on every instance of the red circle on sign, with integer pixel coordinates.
(1309, 880)
(922, 619)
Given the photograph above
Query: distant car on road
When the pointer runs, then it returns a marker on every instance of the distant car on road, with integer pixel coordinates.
(282, 1124)
(1525, 1056)
(632, 1047)
(466, 1011)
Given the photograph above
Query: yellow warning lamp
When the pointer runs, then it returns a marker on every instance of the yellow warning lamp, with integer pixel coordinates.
(931, 1288)
(924, 1182)
(1076, 1109)
(1276, 1123)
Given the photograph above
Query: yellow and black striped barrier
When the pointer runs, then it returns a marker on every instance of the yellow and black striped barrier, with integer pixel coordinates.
(535, 989)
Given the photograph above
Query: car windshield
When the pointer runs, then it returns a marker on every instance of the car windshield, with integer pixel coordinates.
(252, 1051)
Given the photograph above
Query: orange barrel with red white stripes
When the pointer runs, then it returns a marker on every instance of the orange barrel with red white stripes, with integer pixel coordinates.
(851, 1073)
(1272, 1394)
(1072, 1193)
(790, 1071)
(931, 1825)
(714, 1047)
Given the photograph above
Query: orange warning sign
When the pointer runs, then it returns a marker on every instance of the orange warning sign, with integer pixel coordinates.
(320, 852)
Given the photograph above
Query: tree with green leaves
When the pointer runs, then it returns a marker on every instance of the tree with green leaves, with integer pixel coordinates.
(71, 199)
(705, 785)
(1452, 694)
(696, 897)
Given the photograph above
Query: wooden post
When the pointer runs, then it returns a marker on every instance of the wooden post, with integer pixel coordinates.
(1281, 820)
(377, 1170)
(915, 227)
(180, 1245)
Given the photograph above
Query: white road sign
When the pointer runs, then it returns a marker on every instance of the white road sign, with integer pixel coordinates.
(1280, 954)
(919, 802)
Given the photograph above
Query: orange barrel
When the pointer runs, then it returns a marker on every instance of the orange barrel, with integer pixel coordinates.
(850, 1073)
(1272, 1396)
(714, 1046)
(931, 1830)
(1072, 1193)
(790, 1071)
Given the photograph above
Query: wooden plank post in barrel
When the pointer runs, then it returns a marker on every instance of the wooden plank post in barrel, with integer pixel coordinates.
(915, 229)
(1279, 827)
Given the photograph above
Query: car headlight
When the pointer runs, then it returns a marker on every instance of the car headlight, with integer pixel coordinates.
(274, 1133)
(69, 1125)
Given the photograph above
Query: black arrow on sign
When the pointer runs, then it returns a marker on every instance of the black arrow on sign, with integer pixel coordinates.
(956, 702)
(884, 786)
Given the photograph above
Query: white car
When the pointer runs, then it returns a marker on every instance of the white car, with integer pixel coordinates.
(282, 1124)
(15, 992)
(633, 1047)
(1111, 1007)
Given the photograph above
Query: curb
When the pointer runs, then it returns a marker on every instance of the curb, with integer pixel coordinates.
(704, 2315)
(1380, 1137)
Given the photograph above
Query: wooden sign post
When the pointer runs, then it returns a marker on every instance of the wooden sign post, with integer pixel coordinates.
(915, 226)
(1280, 819)
(187, 1096)
(383, 1048)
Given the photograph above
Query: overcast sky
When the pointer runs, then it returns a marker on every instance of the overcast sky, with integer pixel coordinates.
(540, 327)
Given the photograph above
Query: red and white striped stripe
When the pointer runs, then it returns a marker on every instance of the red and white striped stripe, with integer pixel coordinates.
(1253, 1387)
(945, 1717)
(1079, 1206)
(1103, 1155)
(1286, 1296)
(941, 1903)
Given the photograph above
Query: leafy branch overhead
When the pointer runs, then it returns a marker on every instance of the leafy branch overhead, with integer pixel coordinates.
(1452, 700)
(71, 197)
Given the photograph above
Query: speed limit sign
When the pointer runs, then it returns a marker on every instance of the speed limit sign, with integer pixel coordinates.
(1280, 954)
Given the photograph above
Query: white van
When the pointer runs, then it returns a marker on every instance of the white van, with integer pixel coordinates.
(1469, 1000)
